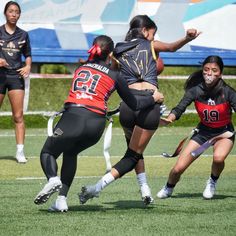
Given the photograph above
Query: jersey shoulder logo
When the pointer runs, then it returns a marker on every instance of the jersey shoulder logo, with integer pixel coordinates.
(211, 102)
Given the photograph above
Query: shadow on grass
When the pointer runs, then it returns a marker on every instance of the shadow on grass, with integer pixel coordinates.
(129, 205)
(122, 205)
(11, 158)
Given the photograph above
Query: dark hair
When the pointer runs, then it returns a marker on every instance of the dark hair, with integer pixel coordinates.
(214, 59)
(106, 44)
(137, 24)
(8, 4)
(197, 77)
(102, 46)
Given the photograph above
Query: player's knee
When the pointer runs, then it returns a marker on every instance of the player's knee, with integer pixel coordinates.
(18, 118)
(128, 162)
(176, 171)
(218, 159)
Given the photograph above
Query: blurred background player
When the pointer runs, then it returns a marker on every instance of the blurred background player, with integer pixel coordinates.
(214, 101)
(83, 121)
(14, 42)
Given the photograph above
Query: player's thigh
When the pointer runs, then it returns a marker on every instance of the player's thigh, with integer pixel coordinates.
(140, 139)
(185, 158)
(222, 148)
(75, 132)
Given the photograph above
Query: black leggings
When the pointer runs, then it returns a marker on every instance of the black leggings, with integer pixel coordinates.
(77, 130)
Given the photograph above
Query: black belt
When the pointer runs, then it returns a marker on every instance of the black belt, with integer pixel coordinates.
(69, 104)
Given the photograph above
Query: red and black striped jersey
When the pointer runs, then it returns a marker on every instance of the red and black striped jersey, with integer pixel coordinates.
(93, 84)
(214, 112)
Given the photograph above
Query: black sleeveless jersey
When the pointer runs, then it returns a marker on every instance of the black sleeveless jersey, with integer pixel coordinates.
(214, 111)
(137, 59)
(12, 46)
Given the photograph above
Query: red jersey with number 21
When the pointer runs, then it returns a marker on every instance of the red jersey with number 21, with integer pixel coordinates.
(92, 85)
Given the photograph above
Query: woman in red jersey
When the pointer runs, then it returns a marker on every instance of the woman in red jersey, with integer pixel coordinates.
(214, 101)
(83, 121)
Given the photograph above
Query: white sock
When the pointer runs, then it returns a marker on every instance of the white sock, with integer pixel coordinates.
(20, 147)
(142, 179)
(104, 181)
(56, 178)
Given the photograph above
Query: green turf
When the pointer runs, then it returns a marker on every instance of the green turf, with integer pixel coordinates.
(50, 94)
(118, 210)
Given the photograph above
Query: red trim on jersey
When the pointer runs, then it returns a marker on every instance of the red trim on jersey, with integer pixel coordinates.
(91, 87)
(214, 116)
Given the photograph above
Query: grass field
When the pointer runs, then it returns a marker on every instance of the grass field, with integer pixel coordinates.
(118, 210)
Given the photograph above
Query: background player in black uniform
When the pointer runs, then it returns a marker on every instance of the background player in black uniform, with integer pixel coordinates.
(14, 42)
(214, 101)
(83, 121)
(137, 57)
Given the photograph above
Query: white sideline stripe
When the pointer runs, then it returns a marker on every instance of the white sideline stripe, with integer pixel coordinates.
(36, 178)
(112, 156)
(70, 76)
(28, 135)
(45, 135)
(76, 177)
(43, 113)
(186, 77)
(50, 113)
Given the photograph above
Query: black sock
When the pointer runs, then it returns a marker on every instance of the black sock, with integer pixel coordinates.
(214, 177)
(170, 185)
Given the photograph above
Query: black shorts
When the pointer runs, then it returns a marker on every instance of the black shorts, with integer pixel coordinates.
(147, 118)
(77, 129)
(10, 81)
(205, 133)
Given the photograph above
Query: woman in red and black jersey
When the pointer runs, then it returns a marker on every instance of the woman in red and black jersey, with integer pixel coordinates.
(14, 42)
(214, 101)
(83, 121)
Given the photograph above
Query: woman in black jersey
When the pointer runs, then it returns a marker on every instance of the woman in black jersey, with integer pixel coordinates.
(214, 101)
(137, 58)
(14, 42)
(83, 121)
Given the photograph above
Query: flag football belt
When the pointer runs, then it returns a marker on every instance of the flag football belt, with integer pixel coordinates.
(68, 105)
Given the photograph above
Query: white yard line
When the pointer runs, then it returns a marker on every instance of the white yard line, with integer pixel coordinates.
(50, 113)
(76, 177)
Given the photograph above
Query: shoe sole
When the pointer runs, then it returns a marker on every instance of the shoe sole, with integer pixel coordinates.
(81, 195)
(51, 209)
(43, 197)
(207, 198)
(21, 162)
(147, 200)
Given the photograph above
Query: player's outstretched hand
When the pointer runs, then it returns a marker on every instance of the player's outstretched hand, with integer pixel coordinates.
(192, 34)
(165, 121)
